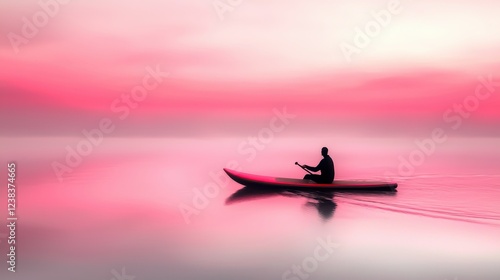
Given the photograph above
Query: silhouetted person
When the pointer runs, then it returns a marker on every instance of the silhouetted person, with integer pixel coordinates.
(325, 166)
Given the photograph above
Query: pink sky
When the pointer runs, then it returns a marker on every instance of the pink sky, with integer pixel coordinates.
(233, 71)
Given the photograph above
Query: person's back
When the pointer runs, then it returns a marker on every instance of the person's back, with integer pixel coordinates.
(326, 167)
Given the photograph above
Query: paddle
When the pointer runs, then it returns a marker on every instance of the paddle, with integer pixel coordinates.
(296, 163)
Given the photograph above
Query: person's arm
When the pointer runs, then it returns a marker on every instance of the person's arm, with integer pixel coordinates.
(315, 169)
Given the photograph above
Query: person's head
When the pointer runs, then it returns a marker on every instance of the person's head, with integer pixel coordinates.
(324, 151)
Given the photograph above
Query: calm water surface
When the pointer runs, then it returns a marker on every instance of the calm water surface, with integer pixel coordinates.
(120, 208)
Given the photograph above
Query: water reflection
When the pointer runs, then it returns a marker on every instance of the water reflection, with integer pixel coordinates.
(324, 204)
(322, 201)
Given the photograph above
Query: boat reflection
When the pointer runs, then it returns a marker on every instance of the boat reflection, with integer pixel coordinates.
(321, 200)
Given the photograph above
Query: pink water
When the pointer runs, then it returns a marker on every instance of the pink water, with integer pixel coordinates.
(121, 208)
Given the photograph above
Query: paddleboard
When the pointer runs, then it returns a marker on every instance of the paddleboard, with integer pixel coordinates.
(267, 181)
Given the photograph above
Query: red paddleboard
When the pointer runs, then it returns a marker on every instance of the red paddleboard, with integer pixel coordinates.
(266, 181)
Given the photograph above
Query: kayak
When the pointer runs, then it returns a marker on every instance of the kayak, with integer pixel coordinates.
(348, 185)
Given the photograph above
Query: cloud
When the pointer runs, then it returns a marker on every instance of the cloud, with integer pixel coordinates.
(233, 72)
